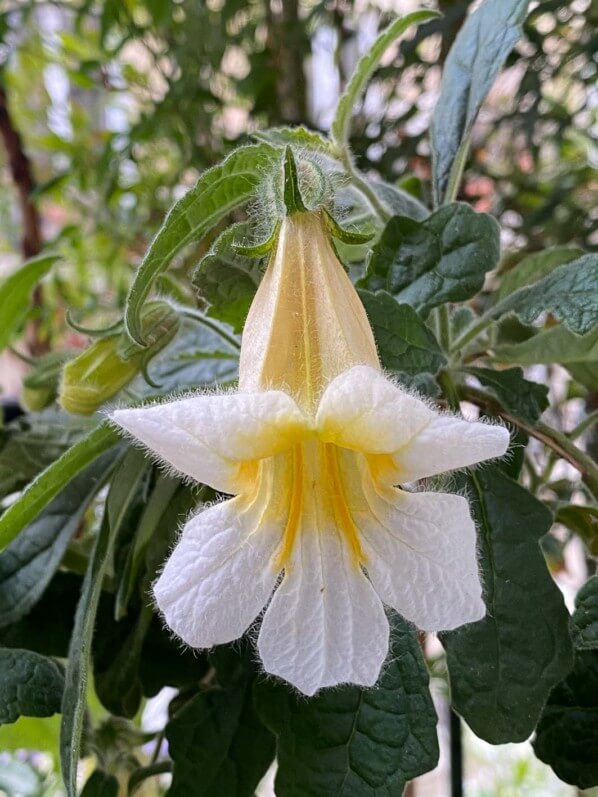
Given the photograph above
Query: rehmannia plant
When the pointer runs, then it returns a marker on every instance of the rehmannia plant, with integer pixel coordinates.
(270, 497)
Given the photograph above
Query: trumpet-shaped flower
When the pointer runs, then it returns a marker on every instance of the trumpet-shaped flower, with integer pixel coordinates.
(312, 447)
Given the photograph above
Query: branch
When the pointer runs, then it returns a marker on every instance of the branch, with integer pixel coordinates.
(557, 441)
(22, 176)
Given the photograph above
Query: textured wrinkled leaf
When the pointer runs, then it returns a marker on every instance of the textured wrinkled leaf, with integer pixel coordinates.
(217, 192)
(30, 561)
(475, 59)
(15, 291)
(554, 345)
(354, 742)
(216, 740)
(405, 344)
(570, 293)
(52, 480)
(125, 483)
(567, 734)
(30, 685)
(584, 621)
(364, 70)
(535, 266)
(517, 394)
(100, 784)
(441, 259)
(502, 668)
(228, 280)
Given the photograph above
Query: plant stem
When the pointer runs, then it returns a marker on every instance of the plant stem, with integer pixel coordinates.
(557, 441)
(362, 184)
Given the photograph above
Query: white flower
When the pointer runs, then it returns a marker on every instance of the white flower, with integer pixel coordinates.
(311, 448)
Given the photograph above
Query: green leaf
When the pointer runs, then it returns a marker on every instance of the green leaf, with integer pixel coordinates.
(570, 293)
(521, 396)
(583, 520)
(30, 561)
(567, 734)
(15, 291)
(502, 668)
(399, 201)
(217, 192)
(30, 685)
(298, 136)
(554, 345)
(124, 486)
(33, 733)
(405, 344)
(51, 481)
(100, 784)
(216, 740)
(227, 279)
(364, 70)
(584, 621)
(355, 742)
(441, 259)
(475, 59)
(533, 267)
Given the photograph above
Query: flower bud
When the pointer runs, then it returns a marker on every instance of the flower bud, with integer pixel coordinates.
(306, 324)
(110, 363)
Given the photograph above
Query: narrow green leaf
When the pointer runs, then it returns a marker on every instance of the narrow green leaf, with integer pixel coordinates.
(51, 481)
(298, 136)
(567, 734)
(583, 521)
(15, 291)
(227, 279)
(554, 345)
(570, 293)
(405, 344)
(441, 259)
(474, 61)
(124, 486)
(584, 621)
(517, 394)
(535, 266)
(217, 192)
(30, 561)
(502, 668)
(30, 685)
(355, 742)
(364, 70)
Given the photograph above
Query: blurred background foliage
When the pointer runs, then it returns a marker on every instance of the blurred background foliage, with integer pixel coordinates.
(110, 110)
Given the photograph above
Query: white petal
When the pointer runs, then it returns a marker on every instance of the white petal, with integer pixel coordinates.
(363, 410)
(220, 575)
(207, 437)
(422, 559)
(448, 443)
(325, 624)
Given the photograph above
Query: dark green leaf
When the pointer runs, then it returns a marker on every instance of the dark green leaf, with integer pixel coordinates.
(570, 293)
(100, 784)
(584, 621)
(354, 742)
(30, 685)
(15, 291)
(227, 280)
(124, 486)
(535, 266)
(567, 734)
(502, 668)
(30, 561)
(54, 479)
(217, 192)
(441, 259)
(398, 201)
(474, 61)
(216, 740)
(405, 344)
(524, 398)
